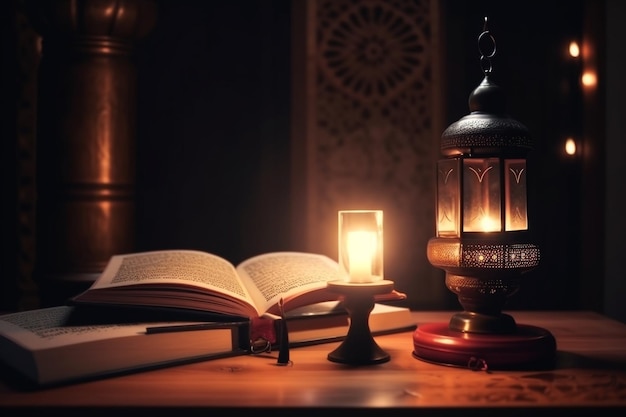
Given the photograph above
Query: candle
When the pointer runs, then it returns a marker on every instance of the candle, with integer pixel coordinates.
(361, 251)
(360, 244)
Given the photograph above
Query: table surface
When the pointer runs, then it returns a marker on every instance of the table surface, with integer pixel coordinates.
(590, 371)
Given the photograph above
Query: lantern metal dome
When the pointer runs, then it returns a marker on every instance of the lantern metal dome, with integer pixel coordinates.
(487, 129)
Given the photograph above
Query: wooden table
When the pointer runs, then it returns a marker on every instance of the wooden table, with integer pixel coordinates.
(590, 373)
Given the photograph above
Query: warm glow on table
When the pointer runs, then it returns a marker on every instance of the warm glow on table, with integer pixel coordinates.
(589, 373)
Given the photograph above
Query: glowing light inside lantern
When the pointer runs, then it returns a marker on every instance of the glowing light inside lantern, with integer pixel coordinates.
(489, 224)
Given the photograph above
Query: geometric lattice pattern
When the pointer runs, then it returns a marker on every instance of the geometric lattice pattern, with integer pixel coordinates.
(374, 100)
(500, 256)
(374, 129)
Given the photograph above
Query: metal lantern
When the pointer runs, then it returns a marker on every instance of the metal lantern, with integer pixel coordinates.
(482, 227)
(482, 239)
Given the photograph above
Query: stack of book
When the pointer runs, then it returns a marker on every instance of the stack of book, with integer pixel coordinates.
(160, 308)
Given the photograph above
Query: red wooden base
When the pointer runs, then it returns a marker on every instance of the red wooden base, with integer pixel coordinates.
(528, 347)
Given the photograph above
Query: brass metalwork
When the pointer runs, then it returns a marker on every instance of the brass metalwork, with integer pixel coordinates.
(86, 136)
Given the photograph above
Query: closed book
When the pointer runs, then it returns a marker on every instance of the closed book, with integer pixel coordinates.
(66, 344)
(49, 346)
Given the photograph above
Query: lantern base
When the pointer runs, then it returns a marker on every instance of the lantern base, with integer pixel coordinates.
(359, 347)
(527, 347)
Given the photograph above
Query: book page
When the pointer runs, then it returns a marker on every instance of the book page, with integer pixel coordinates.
(271, 276)
(46, 328)
(46, 346)
(188, 267)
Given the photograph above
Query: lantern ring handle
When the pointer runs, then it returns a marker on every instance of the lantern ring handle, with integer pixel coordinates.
(492, 45)
(486, 42)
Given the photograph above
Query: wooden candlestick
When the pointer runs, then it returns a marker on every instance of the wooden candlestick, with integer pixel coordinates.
(359, 347)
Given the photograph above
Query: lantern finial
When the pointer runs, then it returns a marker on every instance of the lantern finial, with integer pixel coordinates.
(487, 97)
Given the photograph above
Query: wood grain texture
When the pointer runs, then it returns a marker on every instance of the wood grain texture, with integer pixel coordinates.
(590, 373)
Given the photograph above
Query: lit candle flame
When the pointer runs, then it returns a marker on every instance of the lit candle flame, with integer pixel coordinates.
(361, 251)
(489, 225)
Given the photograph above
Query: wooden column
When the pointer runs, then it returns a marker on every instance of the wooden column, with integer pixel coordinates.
(85, 137)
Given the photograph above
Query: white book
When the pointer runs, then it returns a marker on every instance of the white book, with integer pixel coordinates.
(43, 347)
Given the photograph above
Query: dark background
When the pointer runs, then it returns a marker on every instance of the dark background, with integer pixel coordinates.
(213, 134)
(214, 91)
(214, 100)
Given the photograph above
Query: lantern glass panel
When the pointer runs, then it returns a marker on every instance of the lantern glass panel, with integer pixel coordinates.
(448, 198)
(516, 207)
(481, 195)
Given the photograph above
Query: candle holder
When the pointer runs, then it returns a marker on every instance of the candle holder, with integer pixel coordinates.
(483, 240)
(359, 347)
(360, 247)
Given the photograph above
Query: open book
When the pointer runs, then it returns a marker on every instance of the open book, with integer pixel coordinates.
(195, 280)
